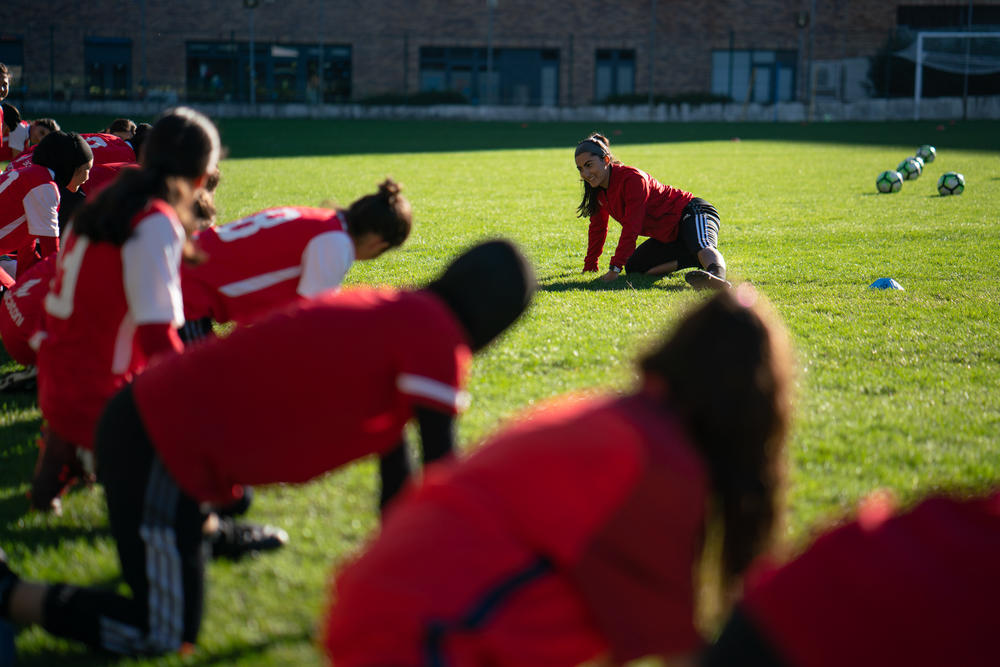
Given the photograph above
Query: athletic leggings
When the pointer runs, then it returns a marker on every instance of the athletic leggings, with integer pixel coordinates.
(158, 531)
(698, 229)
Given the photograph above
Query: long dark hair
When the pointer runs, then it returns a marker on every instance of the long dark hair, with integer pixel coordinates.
(387, 213)
(182, 146)
(597, 145)
(728, 372)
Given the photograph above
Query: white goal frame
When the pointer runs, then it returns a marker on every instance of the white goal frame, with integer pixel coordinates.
(918, 85)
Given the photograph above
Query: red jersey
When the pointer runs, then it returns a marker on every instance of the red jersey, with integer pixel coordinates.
(108, 148)
(266, 260)
(101, 176)
(29, 209)
(350, 366)
(643, 206)
(21, 314)
(21, 161)
(917, 589)
(100, 294)
(607, 492)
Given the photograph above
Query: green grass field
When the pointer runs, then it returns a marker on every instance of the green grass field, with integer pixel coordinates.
(896, 390)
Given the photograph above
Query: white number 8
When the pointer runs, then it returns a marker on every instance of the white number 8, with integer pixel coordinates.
(253, 224)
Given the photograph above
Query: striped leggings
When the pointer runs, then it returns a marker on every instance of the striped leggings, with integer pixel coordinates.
(158, 531)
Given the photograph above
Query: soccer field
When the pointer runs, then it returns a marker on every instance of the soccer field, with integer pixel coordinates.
(896, 389)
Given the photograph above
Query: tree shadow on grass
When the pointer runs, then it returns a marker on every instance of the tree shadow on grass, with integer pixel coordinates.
(228, 656)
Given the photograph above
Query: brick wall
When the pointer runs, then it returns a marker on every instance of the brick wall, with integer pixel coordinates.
(386, 35)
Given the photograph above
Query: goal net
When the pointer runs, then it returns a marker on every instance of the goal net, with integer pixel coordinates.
(969, 53)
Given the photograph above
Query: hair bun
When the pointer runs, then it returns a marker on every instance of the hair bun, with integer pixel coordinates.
(389, 189)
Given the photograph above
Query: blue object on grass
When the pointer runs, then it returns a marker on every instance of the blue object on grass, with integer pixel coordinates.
(885, 283)
(7, 654)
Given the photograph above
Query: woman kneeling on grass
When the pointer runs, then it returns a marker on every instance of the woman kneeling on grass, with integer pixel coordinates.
(576, 533)
(352, 367)
(683, 230)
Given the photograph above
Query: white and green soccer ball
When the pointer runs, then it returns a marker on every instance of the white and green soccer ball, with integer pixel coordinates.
(889, 181)
(911, 168)
(927, 153)
(951, 183)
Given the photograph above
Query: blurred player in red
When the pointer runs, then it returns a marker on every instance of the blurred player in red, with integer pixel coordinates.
(115, 301)
(123, 128)
(576, 533)
(4, 90)
(917, 589)
(29, 198)
(21, 313)
(30, 133)
(279, 255)
(363, 363)
(683, 230)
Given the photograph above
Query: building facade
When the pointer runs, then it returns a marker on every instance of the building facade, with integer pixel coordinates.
(552, 53)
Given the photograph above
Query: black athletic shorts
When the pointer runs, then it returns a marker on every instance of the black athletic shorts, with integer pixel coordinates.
(699, 229)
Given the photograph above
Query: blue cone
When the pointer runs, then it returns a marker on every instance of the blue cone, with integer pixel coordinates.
(885, 283)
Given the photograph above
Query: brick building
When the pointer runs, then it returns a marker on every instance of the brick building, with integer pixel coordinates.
(556, 52)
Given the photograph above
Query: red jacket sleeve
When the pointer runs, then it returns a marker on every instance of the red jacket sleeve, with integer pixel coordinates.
(47, 245)
(158, 338)
(636, 193)
(597, 232)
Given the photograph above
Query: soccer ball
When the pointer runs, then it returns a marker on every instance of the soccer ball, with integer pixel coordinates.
(889, 181)
(927, 153)
(951, 183)
(910, 168)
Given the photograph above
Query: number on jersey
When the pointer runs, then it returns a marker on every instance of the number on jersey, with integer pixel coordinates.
(253, 224)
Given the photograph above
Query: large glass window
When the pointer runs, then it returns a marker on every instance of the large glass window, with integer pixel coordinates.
(767, 76)
(108, 67)
(518, 76)
(220, 71)
(614, 73)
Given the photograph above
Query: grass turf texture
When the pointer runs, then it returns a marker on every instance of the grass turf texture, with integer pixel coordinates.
(896, 390)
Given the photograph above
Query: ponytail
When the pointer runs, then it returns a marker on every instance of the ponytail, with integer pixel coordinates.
(386, 213)
(728, 372)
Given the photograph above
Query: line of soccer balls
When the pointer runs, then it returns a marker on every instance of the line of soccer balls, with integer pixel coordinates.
(950, 183)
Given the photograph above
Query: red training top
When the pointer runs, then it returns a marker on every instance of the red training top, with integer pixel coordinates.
(571, 534)
(265, 261)
(101, 176)
(917, 589)
(108, 148)
(29, 210)
(342, 374)
(643, 206)
(100, 298)
(21, 314)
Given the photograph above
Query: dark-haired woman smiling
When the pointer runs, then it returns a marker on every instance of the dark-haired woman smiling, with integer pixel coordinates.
(683, 230)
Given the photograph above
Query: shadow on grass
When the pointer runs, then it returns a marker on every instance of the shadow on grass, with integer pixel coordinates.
(256, 138)
(558, 283)
(200, 657)
(40, 537)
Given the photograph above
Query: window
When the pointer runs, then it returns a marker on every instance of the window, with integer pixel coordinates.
(766, 76)
(108, 67)
(220, 71)
(518, 76)
(614, 73)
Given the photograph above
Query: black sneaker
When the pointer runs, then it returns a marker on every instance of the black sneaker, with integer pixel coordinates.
(235, 540)
(22, 380)
(701, 280)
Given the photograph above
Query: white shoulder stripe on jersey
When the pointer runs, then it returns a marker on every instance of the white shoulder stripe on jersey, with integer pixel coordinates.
(417, 385)
(263, 281)
(12, 226)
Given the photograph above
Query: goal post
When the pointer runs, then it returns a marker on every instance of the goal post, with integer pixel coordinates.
(950, 61)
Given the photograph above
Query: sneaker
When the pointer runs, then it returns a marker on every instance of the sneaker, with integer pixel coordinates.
(58, 466)
(235, 540)
(701, 280)
(22, 380)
